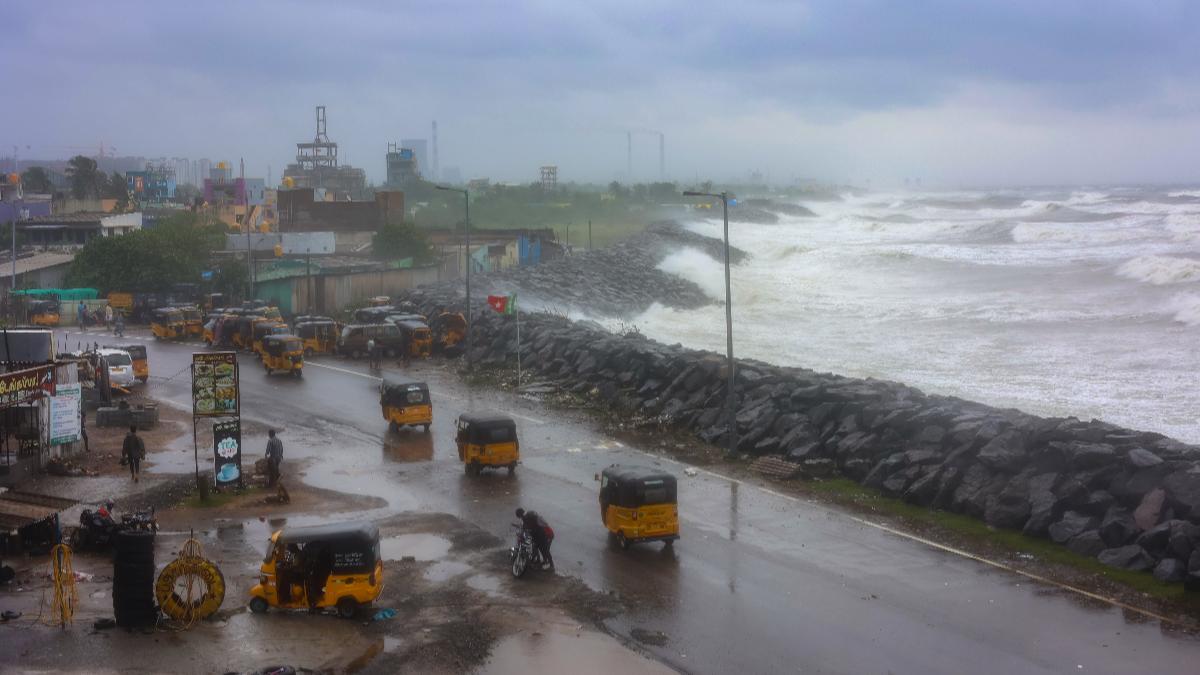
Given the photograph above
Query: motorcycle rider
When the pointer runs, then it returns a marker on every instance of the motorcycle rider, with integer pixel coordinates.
(541, 532)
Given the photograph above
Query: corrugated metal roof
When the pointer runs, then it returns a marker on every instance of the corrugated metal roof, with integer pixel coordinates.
(38, 261)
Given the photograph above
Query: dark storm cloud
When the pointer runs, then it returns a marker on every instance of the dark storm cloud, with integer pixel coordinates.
(513, 68)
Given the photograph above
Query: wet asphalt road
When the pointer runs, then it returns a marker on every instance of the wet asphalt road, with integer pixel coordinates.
(760, 582)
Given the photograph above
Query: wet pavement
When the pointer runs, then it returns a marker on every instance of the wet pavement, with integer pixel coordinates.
(759, 582)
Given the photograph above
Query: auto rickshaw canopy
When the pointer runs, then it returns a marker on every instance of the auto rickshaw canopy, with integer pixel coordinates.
(166, 315)
(411, 326)
(402, 392)
(632, 486)
(373, 314)
(487, 427)
(276, 345)
(322, 328)
(354, 546)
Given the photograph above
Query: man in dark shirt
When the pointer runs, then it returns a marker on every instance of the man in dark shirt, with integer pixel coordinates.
(542, 535)
(133, 450)
(274, 457)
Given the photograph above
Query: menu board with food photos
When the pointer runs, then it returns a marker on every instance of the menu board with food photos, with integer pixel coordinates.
(214, 384)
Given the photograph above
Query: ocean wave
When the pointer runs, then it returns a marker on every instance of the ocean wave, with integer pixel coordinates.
(1161, 270)
(1054, 212)
(1031, 233)
(698, 267)
(1183, 226)
(1186, 308)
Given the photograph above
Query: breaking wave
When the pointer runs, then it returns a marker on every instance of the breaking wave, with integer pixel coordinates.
(698, 267)
(1186, 308)
(1161, 270)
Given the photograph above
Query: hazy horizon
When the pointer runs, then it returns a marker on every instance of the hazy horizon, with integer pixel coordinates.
(991, 94)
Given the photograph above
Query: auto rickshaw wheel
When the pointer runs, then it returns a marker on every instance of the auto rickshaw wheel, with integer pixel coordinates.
(512, 468)
(258, 605)
(426, 428)
(308, 352)
(347, 607)
(623, 541)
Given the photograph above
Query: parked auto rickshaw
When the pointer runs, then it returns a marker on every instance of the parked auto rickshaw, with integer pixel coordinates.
(141, 364)
(43, 312)
(283, 352)
(263, 328)
(193, 320)
(639, 505)
(374, 314)
(405, 402)
(379, 301)
(341, 562)
(166, 323)
(449, 330)
(319, 336)
(487, 439)
(243, 334)
(418, 339)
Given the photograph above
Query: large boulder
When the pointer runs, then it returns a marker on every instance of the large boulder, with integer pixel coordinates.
(1091, 455)
(1072, 524)
(1170, 570)
(1011, 507)
(1183, 491)
(1118, 527)
(1044, 506)
(1150, 510)
(1141, 458)
(1087, 544)
(1005, 452)
(1130, 557)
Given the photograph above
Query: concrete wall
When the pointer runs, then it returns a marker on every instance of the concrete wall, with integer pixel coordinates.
(333, 292)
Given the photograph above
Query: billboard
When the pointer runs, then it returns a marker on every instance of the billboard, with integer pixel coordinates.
(215, 391)
(26, 385)
(227, 452)
(64, 414)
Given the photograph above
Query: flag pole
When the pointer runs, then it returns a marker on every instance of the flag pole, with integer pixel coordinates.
(518, 313)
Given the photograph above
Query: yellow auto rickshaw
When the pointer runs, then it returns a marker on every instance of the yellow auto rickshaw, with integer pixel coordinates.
(487, 439)
(639, 505)
(417, 339)
(141, 364)
(450, 329)
(339, 564)
(166, 323)
(405, 402)
(319, 336)
(193, 321)
(43, 312)
(262, 328)
(283, 352)
(242, 336)
(379, 301)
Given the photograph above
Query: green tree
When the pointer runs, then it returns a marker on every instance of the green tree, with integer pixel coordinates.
(37, 179)
(399, 240)
(86, 180)
(117, 188)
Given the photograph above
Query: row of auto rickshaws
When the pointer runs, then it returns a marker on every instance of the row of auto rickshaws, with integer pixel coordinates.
(401, 330)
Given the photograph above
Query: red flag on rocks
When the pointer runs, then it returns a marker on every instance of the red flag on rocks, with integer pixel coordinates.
(500, 303)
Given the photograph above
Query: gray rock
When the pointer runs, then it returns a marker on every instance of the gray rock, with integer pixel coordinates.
(1170, 570)
(1149, 511)
(1184, 538)
(1118, 527)
(924, 489)
(766, 445)
(1097, 502)
(1156, 540)
(930, 435)
(820, 467)
(1072, 524)
(1088, 543)
(1130, 557)
(1142, 458)
(1005, 452)
(1090, 455)
(974, 480)
(1183, 491)
(809, 450)
(1194, 562)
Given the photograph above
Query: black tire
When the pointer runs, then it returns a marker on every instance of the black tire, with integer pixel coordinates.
(308, 352)
(469, 469)
(258, 605)
(520, 563)
(347, 607)
(669, 544)
(393, 427)
(426, 428)
(623, 541)
(512, 468)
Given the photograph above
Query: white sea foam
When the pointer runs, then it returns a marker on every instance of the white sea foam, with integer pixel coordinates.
(696, 266)
(1160, 270)
(1186, 308)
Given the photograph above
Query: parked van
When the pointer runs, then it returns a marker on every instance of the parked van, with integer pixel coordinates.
(354, 338)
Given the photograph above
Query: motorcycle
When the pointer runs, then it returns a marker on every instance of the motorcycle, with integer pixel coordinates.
(523, 553)
(98, 528)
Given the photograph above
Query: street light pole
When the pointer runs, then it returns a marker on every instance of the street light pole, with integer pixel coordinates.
(467, 211)
(730, 417)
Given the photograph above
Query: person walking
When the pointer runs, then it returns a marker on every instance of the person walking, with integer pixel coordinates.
(82, 311)
(108, 316)
(373, 353)
(133, 450)
(274, 457)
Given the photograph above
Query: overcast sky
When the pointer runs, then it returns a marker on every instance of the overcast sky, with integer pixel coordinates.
(994, 92)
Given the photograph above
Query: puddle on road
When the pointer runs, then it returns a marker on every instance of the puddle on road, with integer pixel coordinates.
(444, 570)
(419, 546)
(585, 654)
(486, 584)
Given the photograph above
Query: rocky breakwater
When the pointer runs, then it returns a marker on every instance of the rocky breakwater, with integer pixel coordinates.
(622, 280)
(1129, 498)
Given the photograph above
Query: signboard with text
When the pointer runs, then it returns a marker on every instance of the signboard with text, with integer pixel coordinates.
(215, 390)
(64, 414)
(227, 452)
(26, 385)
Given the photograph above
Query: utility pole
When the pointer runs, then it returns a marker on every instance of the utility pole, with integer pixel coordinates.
(589, 234)
(467, 213)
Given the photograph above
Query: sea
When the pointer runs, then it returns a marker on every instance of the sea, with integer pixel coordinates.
(1058, 302)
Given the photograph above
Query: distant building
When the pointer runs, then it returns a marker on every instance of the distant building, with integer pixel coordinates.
(317, 166)
(419, 148)
(39, 270)
(549, 177)
(155, 185)
(300, 211)
(77, 229)
(402, 166)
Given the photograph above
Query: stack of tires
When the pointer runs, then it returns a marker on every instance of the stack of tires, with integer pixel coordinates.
(133, 579)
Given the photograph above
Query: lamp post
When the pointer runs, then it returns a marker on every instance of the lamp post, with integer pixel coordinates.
(730, 419)
(467, 215)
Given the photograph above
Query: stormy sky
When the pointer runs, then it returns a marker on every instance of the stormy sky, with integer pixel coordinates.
(991, 92)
